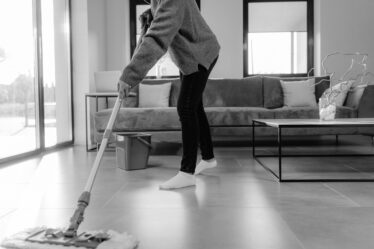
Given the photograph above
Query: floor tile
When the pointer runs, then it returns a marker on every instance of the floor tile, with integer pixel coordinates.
(360, 193)
(321, 228)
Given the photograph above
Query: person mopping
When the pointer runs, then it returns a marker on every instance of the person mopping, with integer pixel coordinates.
(178, 27)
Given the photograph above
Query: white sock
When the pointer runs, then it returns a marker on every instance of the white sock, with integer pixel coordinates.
(181, 180)
(203, 165)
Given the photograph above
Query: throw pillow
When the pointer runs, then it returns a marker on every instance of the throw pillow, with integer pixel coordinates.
(273, 94)
(299, 93)
(154, 95)
(341, 90)
(354, 97)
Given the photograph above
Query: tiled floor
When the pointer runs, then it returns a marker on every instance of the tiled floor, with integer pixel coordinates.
(237, 205)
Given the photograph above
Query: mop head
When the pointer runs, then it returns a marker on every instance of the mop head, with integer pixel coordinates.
(116, 241)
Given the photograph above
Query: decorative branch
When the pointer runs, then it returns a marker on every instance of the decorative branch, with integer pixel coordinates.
(348, 80)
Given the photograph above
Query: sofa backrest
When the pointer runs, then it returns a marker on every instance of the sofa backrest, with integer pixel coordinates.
(256, 91)
(221, 92)
(234, 92)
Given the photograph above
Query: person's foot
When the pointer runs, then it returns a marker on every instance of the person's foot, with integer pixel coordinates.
(181, 180)
(203, 165)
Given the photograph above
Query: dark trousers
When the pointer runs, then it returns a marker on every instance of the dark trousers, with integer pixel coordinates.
(195, 126)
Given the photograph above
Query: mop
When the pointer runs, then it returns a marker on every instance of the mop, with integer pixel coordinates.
(51, 238)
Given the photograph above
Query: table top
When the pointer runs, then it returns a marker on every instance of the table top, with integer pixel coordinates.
(102, 94)
(351, 122)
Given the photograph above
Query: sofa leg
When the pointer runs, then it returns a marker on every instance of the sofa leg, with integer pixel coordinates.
(336, 139)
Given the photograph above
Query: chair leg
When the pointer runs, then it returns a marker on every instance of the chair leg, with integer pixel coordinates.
(337, 140)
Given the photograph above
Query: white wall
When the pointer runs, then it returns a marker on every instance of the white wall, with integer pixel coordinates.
(97, 37)
(118, 34)
(345, 26)
(80, 66)
(225, 17)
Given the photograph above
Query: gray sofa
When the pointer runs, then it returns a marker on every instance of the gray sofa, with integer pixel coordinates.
(231, 104)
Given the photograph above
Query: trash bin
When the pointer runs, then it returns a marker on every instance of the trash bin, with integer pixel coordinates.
(132, 150)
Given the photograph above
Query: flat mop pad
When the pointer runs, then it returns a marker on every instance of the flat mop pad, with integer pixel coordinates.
(116, 241)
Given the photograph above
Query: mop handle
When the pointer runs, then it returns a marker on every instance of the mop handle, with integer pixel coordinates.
(104, 143)
(84, 199)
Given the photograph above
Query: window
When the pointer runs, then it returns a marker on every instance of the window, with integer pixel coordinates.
(278, 37)
(35, 78)
(165, 67)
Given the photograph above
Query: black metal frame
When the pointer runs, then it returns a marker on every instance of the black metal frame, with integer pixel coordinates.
(280, 155)
(310, 36)
(86, 102)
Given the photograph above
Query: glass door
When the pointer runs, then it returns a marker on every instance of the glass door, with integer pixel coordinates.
(56, 71)
(35, 76)
(18, 105)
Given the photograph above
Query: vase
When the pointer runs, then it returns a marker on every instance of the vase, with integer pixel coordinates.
(327, 110)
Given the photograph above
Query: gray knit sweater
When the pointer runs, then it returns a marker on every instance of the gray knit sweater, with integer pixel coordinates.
(179, 27)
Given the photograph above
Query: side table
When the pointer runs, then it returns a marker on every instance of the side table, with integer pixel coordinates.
(96, 96)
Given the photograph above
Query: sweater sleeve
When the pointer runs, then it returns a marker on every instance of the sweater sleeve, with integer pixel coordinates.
(167, 21)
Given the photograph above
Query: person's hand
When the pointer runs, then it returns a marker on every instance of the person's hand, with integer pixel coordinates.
(123, 89)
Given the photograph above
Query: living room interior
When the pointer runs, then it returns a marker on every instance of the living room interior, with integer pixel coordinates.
(290, 103)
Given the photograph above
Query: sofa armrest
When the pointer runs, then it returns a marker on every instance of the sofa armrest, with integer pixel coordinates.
(366, 106)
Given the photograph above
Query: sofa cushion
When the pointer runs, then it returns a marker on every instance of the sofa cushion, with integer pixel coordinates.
(322, 83)
(273, 94)
(174, 91)
(139, 119)
(354, 97)
(299, 93)
(311, 112)
(152, 119)
(247, 92)
(236, 115)
(154, 95)
(338, 93)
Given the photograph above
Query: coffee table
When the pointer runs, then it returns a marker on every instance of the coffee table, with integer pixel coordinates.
(281, 124)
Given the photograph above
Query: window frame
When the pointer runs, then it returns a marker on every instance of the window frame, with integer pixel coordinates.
(310, 38)
(133, 21)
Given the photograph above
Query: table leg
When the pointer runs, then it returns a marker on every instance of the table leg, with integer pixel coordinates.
(280, 153)
(85, 103)
(253, 140)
